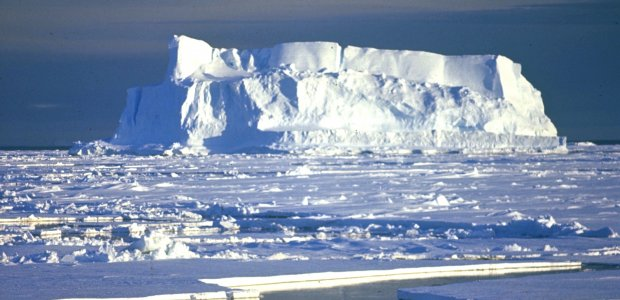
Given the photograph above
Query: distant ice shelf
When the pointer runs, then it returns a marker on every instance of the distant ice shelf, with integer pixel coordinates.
(320, 97)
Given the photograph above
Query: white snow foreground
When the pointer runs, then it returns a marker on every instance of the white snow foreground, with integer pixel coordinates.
(321, 97)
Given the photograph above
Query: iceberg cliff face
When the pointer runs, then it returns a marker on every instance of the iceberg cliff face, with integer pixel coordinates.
(316, 96)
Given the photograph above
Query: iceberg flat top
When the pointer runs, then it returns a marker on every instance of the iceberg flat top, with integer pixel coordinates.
(320, 95)
(491, 75)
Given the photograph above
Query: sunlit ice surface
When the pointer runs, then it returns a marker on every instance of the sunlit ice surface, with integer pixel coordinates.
(57, 208)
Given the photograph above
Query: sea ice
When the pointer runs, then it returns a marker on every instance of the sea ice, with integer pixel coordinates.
(82, 216)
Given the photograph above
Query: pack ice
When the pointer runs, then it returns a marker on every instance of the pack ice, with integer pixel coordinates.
(321, 96)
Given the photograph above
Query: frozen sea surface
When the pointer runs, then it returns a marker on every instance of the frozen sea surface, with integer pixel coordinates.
(75, 211)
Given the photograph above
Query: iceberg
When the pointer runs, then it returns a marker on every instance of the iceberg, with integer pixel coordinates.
(321, 97)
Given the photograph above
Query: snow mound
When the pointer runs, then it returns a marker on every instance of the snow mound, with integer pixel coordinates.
(320, 97)
(160, 246)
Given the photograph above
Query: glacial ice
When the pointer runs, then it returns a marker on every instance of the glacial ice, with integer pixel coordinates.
(322, 97)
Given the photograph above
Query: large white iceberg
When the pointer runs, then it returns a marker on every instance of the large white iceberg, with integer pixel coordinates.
(320, 96)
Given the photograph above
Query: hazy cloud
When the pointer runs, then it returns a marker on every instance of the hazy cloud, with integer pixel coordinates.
(44, 105)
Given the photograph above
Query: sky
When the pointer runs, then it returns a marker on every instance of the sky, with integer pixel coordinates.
(65, 65)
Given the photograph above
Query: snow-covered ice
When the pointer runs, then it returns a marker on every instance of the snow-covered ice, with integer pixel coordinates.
(320, 158)
(321, 97)
(307, 281)
(64, 211)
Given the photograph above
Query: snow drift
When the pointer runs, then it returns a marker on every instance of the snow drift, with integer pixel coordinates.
(320, 96)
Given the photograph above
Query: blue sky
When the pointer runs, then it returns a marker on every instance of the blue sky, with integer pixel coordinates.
(65, 65)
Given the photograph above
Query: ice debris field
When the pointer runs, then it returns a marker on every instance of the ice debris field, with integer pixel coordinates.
(71, 211)
(314, 158)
